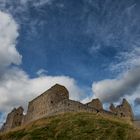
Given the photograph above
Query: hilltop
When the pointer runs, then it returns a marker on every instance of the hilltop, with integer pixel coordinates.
(75, 126)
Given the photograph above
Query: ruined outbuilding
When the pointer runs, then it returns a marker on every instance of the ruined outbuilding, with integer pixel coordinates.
(14, 119)
(123, 110)
(56, 101)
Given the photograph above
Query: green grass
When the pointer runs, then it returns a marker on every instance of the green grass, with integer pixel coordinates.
(75, 126)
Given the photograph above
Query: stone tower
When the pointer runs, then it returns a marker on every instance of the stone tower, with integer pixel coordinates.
(45, 103)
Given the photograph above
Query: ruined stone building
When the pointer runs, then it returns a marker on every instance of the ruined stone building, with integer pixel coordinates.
(14, 119)
(123, 110)
(53, 101)
(56, 101)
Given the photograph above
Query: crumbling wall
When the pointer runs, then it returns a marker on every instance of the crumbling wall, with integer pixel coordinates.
(123, 110)
(95, 103)
(70, 106)
(14, 119)
(112, 108)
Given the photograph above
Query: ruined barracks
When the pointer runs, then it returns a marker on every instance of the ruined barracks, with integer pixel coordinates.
(56, 101)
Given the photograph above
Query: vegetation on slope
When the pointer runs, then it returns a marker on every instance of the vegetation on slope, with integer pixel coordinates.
(75, 126)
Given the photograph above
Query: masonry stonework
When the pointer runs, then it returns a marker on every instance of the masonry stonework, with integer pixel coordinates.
(123, 110)
(45, 103)
(14, 119)
(56, 101)
(96, 103)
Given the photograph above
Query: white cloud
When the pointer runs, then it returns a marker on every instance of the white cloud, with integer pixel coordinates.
(8, 36)
(110, 90)
(16, 88)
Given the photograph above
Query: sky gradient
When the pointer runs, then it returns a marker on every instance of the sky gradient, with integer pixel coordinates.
(90, 46)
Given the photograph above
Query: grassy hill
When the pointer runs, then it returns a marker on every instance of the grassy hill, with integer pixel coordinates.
(75, 126)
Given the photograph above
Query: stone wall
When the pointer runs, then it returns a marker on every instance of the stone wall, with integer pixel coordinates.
(123, 110)
(45, 103)
(14, 119)
(56, 101)
(70, 106)
(95, 103)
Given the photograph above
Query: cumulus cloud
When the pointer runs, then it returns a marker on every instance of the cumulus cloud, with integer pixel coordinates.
(8, 36)
(16, 87)
(113, 89)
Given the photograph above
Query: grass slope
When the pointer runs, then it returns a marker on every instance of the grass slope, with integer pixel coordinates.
(75, 126)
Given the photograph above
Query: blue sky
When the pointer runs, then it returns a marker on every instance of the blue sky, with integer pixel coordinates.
(90, 46)
(74, 37)
(62, 45)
